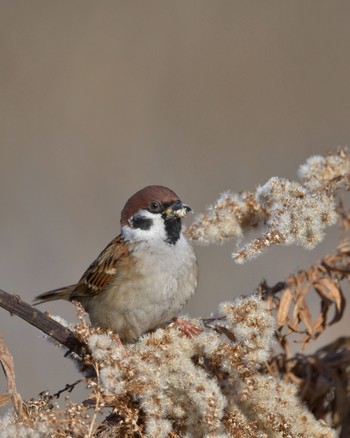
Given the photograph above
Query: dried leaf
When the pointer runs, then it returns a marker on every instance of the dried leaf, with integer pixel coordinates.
(301, 292)
(344, 247)
(330, 291)
(284, 307)
(339, 300)
(4, 399)
(305, 317)
(320, 324)
(6, 361)
(324, 286)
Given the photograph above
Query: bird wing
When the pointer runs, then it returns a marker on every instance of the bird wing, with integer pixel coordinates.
(113, 262)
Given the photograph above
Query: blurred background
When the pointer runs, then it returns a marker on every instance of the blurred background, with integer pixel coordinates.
(99, 99)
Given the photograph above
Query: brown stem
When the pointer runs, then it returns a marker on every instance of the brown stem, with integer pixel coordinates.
(15, 305)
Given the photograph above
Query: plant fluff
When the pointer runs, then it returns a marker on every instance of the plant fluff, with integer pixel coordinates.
(238, 378)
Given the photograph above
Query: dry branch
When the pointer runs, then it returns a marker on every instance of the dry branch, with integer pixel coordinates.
(16, 306)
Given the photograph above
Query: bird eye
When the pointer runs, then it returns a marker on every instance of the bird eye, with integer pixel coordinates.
(155, 206)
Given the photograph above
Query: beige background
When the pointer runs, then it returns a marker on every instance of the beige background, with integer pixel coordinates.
(99, 99)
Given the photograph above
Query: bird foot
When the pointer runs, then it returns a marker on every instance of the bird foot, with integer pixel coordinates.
(116, 338)
(188, 328)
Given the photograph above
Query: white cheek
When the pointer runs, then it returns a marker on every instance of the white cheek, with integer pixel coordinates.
(156, 231)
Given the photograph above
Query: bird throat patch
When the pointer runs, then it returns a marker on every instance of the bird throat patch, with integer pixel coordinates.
(173, 230)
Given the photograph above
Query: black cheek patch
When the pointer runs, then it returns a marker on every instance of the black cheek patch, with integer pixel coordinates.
(143, 223)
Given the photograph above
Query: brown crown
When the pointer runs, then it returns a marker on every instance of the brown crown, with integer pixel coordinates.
(143, 199)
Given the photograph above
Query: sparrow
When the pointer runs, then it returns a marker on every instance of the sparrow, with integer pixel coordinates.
(145, 275)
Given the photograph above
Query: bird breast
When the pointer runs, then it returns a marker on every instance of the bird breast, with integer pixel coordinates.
(157, 284)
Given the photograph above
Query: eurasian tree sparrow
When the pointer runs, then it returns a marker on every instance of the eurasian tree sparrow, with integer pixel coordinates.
(145, 275)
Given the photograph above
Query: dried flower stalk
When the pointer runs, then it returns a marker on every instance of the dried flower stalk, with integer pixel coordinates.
(287, 212)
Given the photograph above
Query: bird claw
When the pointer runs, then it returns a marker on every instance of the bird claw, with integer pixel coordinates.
(116, 338)
(188, 328)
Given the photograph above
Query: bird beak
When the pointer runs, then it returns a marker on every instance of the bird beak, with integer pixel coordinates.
(177, 210)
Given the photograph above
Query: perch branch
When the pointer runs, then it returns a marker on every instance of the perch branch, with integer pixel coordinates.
(16, 306)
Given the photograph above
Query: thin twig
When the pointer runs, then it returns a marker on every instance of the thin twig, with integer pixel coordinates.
(69, 387)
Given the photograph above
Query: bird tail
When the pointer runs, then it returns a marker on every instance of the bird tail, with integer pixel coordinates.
(63, 293)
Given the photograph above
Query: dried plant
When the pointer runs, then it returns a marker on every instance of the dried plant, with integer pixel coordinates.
(323, 377)
(288, 212)
(233, 379)
(170, 385)
(8, 366)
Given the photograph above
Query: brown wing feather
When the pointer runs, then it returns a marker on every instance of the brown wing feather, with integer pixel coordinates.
(104, 270)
